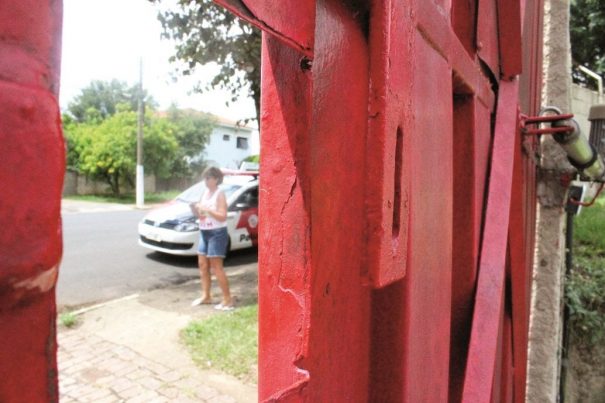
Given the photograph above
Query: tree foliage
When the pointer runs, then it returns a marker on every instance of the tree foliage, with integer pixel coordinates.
(192, 132)
(206, 33)
(106, 150)
(99, 100)
(587, 31)
(100, 130)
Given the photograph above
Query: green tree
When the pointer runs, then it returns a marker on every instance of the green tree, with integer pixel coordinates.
(192, 132)
(587, 32)
(99, 100)
(107, 150)
(206, 33)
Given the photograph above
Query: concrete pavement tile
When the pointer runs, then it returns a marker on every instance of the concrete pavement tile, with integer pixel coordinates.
(105, 382)
(131, 392)
(93, 374)
(170, 376)
(110, 399)
(97, 395)
(75, 368)
(156, 368)
(187, 399)
(138, 374)
(142, 362)
(114, 365)
(67, 391)
(222, 399)
(169, 391)
(144, 397)
(66, 381)
(125, 354)
(187, 384)
(124, 371)
(205, 392)
(121, 384)
(150, 383)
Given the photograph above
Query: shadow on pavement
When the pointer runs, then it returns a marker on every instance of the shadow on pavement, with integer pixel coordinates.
(185, 262)
(235, 258)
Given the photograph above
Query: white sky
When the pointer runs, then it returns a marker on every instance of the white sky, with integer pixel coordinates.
(104, 39)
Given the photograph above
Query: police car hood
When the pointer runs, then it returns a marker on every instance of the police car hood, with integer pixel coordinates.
(173, 211)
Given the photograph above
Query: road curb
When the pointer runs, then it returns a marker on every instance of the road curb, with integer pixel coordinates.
(104, 304)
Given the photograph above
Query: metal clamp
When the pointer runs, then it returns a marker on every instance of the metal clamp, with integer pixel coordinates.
(544, 118)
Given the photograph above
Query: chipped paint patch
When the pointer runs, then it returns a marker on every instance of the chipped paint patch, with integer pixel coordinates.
(44, 281)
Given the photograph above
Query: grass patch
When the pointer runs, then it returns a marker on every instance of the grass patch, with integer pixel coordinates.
(585, 289)
(589, 228)
(68, 319)
(227, 342)
(158, 197)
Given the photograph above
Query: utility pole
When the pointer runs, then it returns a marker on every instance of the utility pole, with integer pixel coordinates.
(140, 184)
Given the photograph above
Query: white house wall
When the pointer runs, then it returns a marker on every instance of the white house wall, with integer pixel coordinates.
(222, 149)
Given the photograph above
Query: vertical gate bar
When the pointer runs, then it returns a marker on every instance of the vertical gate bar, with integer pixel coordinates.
(284, 246)
(340, 304)
(509, 34)
(387, 184)
(520, 272)
(488, 36)
(479, 374)
(429, 275)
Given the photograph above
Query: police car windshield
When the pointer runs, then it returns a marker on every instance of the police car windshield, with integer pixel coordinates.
(194, 193)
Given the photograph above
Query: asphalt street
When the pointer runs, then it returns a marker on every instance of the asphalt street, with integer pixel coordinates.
(102, 260)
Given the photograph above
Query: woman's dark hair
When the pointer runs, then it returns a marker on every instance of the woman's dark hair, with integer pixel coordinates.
(213, 172)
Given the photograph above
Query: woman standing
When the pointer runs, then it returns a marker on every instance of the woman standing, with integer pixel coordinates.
(212, 213)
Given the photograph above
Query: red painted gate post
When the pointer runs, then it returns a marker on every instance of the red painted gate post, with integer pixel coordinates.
(31, 177)
(377, 152)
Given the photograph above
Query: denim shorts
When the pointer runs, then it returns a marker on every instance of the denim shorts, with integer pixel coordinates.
(213, 242)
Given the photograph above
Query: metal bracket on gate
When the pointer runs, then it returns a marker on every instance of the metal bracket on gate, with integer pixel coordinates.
(538, 120)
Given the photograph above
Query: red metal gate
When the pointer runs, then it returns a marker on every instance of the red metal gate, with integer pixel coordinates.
(397, 198)
(397, 201)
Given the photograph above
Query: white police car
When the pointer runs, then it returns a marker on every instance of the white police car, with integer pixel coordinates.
(173, 229)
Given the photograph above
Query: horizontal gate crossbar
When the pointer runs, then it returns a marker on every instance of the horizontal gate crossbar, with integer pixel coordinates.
(489, 301)
(437, 30)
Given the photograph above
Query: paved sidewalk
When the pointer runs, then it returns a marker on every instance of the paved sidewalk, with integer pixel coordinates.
(128, 350)
(70, 206)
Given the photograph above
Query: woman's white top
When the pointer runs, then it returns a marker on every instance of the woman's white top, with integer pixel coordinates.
(209, 201)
